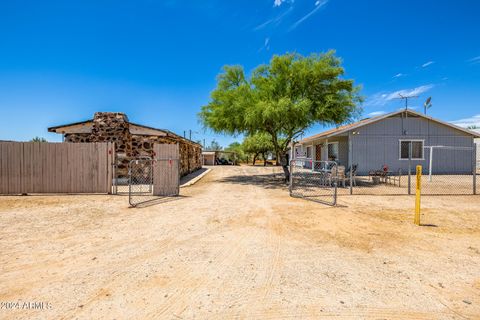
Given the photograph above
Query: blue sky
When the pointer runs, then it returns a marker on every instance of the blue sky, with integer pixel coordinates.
(60, 61)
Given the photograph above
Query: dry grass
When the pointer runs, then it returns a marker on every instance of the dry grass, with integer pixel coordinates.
(237, 246)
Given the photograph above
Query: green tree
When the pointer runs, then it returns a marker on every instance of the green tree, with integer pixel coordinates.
(38, 139)
(473, 126)
(214, 146)
(258, 144)
(282, 99)
(238, 149)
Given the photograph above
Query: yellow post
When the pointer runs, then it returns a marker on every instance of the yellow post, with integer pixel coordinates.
(417, 195)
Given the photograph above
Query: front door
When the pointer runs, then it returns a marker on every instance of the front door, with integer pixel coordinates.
(318, 152)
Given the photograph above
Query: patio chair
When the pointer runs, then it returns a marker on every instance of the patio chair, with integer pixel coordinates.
(379, 175)
(393, 179)
(341, 178)
(331, 176)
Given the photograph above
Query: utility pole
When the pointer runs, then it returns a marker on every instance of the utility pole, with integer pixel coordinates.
(184, 134)
(190, 134)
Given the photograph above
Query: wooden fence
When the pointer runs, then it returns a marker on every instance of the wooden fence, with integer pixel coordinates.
(166, 170)
(41, 167)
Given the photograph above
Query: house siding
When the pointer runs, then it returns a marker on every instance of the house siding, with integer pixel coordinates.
(377, 144)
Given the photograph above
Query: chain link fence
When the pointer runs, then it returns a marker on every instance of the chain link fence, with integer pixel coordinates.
(315, 180)
(150, 180)
(382, 170)
(446, 170)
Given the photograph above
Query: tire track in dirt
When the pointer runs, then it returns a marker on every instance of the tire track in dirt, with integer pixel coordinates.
(160, 248)
(176, 301)
(163, 248)
(271, 228)
(223, 259)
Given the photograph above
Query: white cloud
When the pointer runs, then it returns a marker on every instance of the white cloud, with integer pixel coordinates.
(278, 3)
(398, 75)
(318, 4)
(410, 92)
(428, 63)
(472, 121)
(376, 113)
(273, 21)
(380, 99)
(474, 60)
(266, 45)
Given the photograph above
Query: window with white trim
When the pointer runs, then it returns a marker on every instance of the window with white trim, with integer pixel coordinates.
(309, 152)
(333, 151)
(417, 149)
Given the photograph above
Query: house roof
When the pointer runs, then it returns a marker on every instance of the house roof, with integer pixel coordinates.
(351, 126)
(168, 133)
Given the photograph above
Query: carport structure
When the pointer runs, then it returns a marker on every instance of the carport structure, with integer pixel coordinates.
(211, 158)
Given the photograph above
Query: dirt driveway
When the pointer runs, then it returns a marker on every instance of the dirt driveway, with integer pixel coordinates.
(235, 245)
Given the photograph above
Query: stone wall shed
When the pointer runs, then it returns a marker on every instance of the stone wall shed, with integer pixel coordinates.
(131, 140)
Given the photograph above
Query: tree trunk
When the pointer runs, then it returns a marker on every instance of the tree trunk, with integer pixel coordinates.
(264, 160)
(285, 166)
(255, 158)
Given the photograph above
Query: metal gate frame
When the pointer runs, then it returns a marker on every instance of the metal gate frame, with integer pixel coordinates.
(148, 180)
(314, 180)
(140, 180)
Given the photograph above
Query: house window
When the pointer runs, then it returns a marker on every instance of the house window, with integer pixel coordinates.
(309, 152)
(298, 151)
(417, 149)
(333, 151)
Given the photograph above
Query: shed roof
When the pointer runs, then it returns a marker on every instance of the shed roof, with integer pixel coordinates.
(351, 126)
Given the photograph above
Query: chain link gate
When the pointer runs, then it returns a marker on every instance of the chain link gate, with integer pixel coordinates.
(151, 179)
(140, 181)
(314, 180)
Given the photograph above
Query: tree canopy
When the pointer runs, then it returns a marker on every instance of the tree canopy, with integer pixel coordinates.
(282, 99)
(214, 146)
(38, 139)
(237, 147)
(260, 143)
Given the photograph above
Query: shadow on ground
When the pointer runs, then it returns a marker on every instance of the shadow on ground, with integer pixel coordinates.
(268, 181)
(156, 201)
(192, 176)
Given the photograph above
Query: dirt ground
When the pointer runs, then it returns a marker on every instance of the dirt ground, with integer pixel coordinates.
(235, 245)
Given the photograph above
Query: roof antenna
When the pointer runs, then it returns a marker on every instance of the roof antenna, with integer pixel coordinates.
(406, 99)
